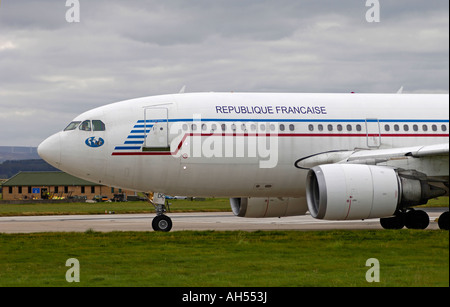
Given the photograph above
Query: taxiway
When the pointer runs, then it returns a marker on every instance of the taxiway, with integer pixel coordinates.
(182, 221)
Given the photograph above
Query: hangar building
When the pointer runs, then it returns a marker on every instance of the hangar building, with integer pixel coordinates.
(55, 185)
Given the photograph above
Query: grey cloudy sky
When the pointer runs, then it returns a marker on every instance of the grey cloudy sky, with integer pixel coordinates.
(52, 70)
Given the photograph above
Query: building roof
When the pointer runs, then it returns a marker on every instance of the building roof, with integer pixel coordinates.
(46, 179)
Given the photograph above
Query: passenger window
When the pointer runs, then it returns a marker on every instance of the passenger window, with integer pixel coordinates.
(320, 127)
(396, 127)
(86, 125)
(425, 128)
(98, 125)
(415, 128)
(291, 127)
(310, 127)
(387, 128)
(406, 127)
(444, 128)
(434, 128)
(339, 127)
(330, 127)
(72, 126)
(358, 127)
(281, 127)
(349, 127)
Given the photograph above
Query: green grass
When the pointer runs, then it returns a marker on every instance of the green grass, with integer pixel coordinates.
(223, 259)
(209, 205)
(437, 202)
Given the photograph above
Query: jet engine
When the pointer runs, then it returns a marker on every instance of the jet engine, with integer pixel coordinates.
(268, 206)
(354, 191)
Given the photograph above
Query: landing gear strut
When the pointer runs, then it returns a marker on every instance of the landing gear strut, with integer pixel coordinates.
(161, 222)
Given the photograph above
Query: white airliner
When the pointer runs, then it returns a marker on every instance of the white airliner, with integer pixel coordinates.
(336, 156)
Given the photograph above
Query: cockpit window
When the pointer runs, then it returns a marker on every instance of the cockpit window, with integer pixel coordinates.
(98, 125)
(86, 125)
(72, 126)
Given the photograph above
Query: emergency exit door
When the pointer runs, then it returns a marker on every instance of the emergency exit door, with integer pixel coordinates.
(373, 133)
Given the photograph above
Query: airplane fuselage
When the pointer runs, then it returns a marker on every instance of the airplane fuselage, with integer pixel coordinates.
(238, 144)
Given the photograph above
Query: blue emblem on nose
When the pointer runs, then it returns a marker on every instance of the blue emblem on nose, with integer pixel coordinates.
(94, 141)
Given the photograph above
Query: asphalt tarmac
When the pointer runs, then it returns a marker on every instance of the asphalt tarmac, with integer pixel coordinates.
(183, 221)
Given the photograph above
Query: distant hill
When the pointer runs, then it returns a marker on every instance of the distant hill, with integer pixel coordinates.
(10, 168)
(18, 153)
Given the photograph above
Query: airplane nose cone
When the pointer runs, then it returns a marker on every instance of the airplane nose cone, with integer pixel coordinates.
(50, 150)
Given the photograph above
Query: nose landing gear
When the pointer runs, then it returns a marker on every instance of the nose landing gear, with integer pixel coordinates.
(161, 222)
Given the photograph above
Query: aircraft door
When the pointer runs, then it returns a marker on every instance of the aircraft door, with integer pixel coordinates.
(373, 133)
(156, 128)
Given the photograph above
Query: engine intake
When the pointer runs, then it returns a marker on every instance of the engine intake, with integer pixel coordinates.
(353, 191)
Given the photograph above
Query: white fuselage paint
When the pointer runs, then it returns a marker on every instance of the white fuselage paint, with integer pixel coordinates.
(265, 134)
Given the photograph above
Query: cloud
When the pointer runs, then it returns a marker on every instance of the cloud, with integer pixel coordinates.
(7, 45)
(53, 70)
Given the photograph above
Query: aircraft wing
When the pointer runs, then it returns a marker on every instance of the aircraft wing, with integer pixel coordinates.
(431, 160)
(416, 151)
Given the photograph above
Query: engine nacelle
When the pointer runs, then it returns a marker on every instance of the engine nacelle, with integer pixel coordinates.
(351, 191)
(354, 191)
(268, 206)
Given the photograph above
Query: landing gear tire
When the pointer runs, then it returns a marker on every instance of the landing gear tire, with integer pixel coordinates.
(395, 222)
(162, 223)
(444, 220)
(417, 219)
